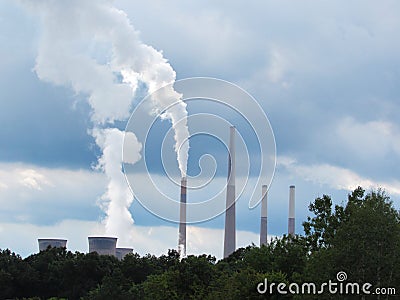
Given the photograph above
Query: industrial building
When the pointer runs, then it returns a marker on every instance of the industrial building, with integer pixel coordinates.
(103, 245)
(53, 243)
(100, 244)
(120, 253)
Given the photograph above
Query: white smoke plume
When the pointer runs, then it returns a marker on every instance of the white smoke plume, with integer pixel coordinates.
(118, 197)
(90, 46)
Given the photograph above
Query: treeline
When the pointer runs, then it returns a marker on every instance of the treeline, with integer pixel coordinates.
(360, 238)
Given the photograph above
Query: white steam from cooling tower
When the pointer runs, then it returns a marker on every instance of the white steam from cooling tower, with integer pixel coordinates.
(118, 219)
(73, 34)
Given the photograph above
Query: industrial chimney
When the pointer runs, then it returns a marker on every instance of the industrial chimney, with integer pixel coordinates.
(182, 220)
(103, 245)
(263, 228)
(120, 253)
(230, 222)
(291, 210)
(53, 243)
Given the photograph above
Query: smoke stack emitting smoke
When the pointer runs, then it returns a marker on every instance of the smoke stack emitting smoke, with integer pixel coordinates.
(71, 30)
(182, 220)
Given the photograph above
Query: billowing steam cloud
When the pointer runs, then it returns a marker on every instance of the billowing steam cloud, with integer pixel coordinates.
(91, 46)
(110, 140)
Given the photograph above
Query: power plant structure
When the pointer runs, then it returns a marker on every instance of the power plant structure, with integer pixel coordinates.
(120, 253)
(291, 220)
(230, 213)
(264, 214)
(182, 220)
(107, 245)
(53, 243)
(103, 245)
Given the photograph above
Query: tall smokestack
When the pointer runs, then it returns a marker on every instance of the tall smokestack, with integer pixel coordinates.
(291, 210)
(230, 230)
(182, 220)
(263, 228)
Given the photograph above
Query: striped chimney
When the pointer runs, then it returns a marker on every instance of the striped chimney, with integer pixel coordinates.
(182, 220)
(263, 228)
(230, 230)
(291, 210)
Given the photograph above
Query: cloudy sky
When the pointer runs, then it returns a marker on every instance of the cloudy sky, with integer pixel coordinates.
(326, 73)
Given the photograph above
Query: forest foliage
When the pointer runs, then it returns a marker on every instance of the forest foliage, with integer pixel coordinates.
(361, 238)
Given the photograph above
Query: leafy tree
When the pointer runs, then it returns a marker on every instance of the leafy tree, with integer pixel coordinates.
(289, 255)
(114, 286)
(8, 263)
(162, 286)
(362, 239)
(321, 229)
(188, 279)
(243, 285)
(137, 268)
(367, 243)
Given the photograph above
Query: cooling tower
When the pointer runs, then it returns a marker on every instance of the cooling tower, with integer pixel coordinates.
(230, 230)
(263, 224)
(291, 210)
(182, 220)
(121, 252)
(54, 243)
(103, 245)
